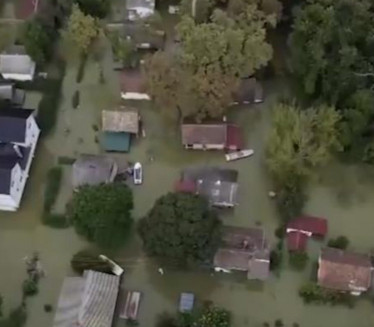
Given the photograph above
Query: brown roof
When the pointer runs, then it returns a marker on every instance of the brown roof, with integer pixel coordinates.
(244, 249)
(344, 271)
(132, 80)
(204, 133)
(121, 121)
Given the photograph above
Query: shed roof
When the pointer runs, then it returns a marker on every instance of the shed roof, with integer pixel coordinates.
(87, 301)
(186, 302)
(314, 225)
(6, 91)
(115, 141)
(93, 170)
(132, 80)
(204, 134)
(16, 61)
(121, 121)
(296, 241)
(344, 271)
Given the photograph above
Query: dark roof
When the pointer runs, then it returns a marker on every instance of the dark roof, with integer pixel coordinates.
(344, 271)
(13, 154)
(5, 177)
(13, 124)
(132, 80)
(244, 249)
(314, 225)
(204, 134)
(297, 241)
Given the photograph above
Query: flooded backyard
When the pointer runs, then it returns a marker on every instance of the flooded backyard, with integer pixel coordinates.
(342, 194)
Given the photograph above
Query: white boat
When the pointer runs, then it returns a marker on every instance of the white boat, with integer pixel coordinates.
(116, 269)
(131, 308)
(138, 173)
(239, 154)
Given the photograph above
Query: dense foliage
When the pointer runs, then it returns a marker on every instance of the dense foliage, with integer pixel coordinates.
(341, 242)
(89, 260)
(210, 61)
(94, 8)
(81, 29)
(102, 213)
(180, 228)
(312, 293)
(298, 260)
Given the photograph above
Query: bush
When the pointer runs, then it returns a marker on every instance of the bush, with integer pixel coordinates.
(278, 323)
(298, 260)
(89, 260)
(341, 242)
(275, 260)
(29, 287)
(63, 160)
(49, 104)
(81, 68)
(76, 99)
(17, 317)
(52, 188)
(55, 220)
(280, 232)
(48, 308)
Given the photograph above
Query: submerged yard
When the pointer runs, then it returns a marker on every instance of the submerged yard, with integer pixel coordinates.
(343, 194)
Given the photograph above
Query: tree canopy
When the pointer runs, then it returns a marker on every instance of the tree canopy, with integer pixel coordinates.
(94, 8)
(300, 140)
(81, 29)
(180, 228)
(331, 47)
(211, 59)
(102, 213)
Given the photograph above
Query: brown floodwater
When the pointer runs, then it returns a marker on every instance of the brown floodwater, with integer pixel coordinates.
(344, 195)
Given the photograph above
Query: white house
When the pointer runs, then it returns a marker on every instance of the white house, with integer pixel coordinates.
(19, 135)
(16, 65)
(139, 9)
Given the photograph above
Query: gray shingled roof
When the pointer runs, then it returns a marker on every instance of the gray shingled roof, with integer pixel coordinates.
(87, 301)
(13, 124)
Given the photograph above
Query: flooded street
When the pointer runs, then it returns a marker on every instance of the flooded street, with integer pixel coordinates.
(344, 195)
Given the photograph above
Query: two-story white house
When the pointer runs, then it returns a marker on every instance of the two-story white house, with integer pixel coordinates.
(19, 134)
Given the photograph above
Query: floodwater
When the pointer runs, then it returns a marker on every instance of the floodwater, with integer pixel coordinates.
(342, 194)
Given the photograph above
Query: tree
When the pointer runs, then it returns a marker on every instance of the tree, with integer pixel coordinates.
(38, 41)
(81, 29)
(214, 317)
(330, 48)
(201, 12)
(180, 228)
(300, 140)
(212, 58)
(298, 260)
(124, 50)
(94, 8)
(341, 242)
(102, 213)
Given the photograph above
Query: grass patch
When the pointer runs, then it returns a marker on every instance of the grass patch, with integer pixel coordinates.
(54, 178)
(62, 160)
(49, 104)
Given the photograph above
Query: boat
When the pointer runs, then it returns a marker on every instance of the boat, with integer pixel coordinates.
(138, 173)
(239, 154)
(131, 308)
(116, 269)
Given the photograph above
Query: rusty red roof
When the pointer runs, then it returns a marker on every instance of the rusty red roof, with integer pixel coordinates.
(296, 241)
(308, 224)
(234, 140)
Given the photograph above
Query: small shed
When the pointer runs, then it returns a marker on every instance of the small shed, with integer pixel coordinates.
(133, 85)
(116, 142)
(186, 302)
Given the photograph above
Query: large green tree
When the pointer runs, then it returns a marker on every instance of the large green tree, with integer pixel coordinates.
(94, 8)
(212, 57)
(81, 29)
(180, 228)
(102, 213)
(38, 40)
(300, 140)
(331, 47)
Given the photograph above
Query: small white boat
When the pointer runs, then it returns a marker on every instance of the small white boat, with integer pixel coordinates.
(116, 269)
(138, 173)
(131, 308)
(239, 155)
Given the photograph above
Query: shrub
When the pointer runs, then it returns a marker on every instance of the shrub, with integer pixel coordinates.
(48, 308)
(17, 317)
(298, 260)
(76, 99)
(52, 188)
(341, 242)
(48, 105)
(63, 160)
(275, 260)
(88, 260)
(29, 287)
(55, 220)
(278, 323)
(280, 232)
(81, 68)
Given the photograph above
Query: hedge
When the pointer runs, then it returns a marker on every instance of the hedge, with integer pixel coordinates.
(52, 188)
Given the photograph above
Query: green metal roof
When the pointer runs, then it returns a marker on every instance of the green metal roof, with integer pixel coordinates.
(115, 141)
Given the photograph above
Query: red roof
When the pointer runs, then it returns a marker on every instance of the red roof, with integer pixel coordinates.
(26, 8)
(308, 224)
(296, 241)
(234, 140)
(185, 186)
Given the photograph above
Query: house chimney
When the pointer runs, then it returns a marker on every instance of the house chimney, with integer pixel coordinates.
(17, 150)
